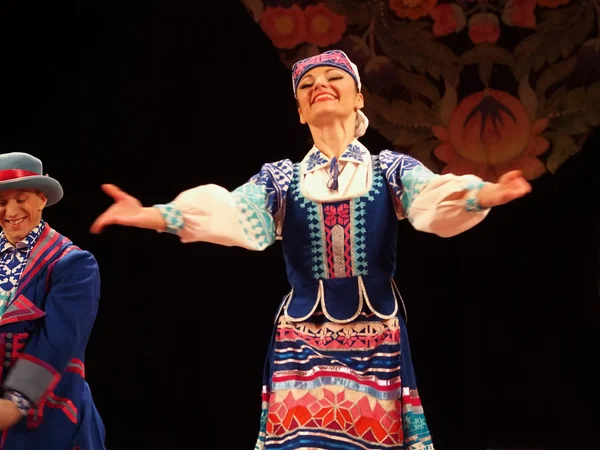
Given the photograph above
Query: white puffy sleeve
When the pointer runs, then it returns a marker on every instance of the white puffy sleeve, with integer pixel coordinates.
(249, 216)
(432, 203)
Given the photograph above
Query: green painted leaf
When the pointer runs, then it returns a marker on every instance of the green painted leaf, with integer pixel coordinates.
(399, 112)
(592, 113)
(524, 51)
(553, 75)
(558, 34)
(447, 104)
(485, 72)
(408, 136)
(563, 147)
(573, 124)
(592, 116)
(555, 104)
(528, 98)
(576, 99)
(419, 83)
(356, 12)
(423, 151)
(488, 53)
(416, 49)
(560, 18)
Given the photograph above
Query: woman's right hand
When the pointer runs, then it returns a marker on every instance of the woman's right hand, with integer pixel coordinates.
(127, 211)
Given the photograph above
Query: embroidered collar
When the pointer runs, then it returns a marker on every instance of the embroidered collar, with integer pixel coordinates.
(27, 242)
(355, 152)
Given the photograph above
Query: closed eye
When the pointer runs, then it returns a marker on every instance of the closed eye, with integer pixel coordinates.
(333, 78)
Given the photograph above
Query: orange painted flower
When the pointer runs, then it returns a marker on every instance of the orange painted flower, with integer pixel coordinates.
(552, 3)
(484, 27)
(412, 9)
(286, 27)
(324, 27)
(490, 133)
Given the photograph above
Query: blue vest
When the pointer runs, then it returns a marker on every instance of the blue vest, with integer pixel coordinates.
(341, 256)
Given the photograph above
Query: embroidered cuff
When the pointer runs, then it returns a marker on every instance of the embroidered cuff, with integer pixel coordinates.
(30, 378)
(471, 202)
(22, 403)
(172, 216)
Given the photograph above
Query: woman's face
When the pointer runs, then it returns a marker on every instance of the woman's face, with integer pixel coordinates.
(325, 95)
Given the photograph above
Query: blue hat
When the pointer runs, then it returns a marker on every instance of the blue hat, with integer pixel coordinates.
(331, 58)
(339, 60)
(23, 171)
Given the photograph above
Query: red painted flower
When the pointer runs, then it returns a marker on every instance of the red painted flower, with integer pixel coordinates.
(286, 27)
(520, 13)
(339, 215)
(412, 9)
(323, 27)
(448, 18)
(484, 27)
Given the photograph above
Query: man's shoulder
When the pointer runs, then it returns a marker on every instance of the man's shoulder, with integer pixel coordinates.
(70, 251)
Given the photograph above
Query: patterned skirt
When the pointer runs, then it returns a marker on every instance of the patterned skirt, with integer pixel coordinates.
(341, 386)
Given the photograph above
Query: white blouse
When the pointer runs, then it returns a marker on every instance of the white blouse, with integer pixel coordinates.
(211, 213)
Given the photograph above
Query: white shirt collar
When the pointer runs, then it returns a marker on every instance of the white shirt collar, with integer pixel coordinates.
(355, 152)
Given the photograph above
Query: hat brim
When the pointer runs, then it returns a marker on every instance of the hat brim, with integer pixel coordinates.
(49, 186)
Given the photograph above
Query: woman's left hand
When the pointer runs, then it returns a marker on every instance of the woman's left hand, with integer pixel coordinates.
(510, 186)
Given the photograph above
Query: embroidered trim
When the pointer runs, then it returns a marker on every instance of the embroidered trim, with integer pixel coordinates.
(320, 300)
(261, 202)
(172, 217)
(20, 401)
(14, 260)
(471, 202)
(315, 159)
(363, 298)
(254, 214)
(315, 216)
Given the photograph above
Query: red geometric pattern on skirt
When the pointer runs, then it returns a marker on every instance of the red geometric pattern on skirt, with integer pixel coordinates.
(330, 338)
(336, 411)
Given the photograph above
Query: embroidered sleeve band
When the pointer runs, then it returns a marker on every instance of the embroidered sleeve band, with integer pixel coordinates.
(172, 216)
(471, 202)
(31, 379)
(22, 403)
(255, 217)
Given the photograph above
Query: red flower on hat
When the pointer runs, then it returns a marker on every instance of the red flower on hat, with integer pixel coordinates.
(324, 27)
(286, 27)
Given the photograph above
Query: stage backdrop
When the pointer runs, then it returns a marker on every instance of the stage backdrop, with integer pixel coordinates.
(465, 86)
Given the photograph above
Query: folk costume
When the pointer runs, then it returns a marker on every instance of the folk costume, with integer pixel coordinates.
(338, 372)
(49, 292)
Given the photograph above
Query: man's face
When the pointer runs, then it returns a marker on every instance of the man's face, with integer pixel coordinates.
(20, 212)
